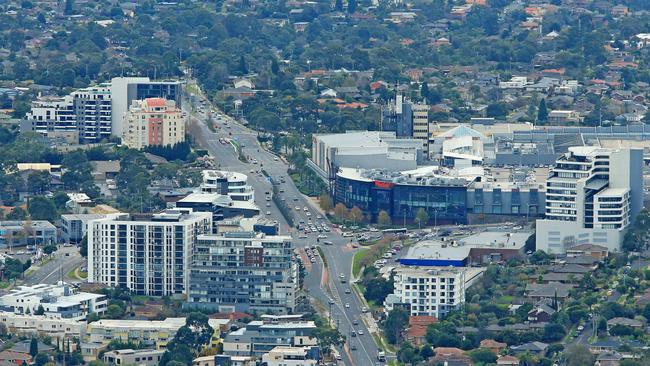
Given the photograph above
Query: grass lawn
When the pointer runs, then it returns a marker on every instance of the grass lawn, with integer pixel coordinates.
(357, 259)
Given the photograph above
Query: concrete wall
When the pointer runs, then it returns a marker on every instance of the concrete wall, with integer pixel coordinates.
(554, 236)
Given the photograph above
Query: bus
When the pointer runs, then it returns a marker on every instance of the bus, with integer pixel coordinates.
(395, 231)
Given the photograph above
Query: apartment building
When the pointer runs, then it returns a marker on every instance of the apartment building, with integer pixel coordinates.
(261, 336)
(42, 325)
(75, 226)
(125, 90)
(85, 114)
(232, 184)
(147, 254)
(153, 121)
(58, 301)
(432, 291)
(243, 272)
(592, 196)
(153, 334)
(407, 119)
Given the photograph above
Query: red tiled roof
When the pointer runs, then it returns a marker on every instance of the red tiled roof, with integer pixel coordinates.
(155, 102)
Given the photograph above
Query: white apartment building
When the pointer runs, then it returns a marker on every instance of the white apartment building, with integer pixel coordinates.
(515, 82)
(145, 253)
(432, 291)
(232, 184)
(592, 195)
(153, 121)
(58, 301)
(42, 325)
(288, 356)
(85, 114)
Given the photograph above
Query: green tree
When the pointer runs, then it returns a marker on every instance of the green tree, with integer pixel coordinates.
(483, 356)
(408, 354)
(189, 340)
(17, 213)
(539, 257)
(422, 217)
(383, 219)
(542, 112)
(243, 68)
(42, 208)
(39, 311)
(83, 247)
(328, 337)
(41, 359)
(326, 202)
(114, 311)
(395, 322)
(33, 345)
(578, 355)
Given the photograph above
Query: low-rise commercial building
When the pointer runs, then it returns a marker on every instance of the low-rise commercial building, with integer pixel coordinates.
(266, 275)
(432, 291)
(149, 254)
(366, 150)
(261, 336)
(291, 356)
(490, 246)
(21, 233)
(140, 357)
(57, 301)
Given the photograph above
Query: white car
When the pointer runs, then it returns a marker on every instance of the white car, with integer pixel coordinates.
(305, 209)
(347, 305)
(322, 236)
(297, 208)
(268, 212)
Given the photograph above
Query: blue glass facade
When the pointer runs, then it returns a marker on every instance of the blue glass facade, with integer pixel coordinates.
(444, 204)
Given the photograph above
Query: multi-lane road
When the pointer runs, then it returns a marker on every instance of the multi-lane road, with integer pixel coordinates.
(63, 261)
(346, 307)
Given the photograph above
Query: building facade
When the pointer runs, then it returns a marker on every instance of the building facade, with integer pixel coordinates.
(592, 196)
(153, 121)
(261, 336)
(125, 90)
(21, 233)
(232, 184)
(431, 291)
(242, 272)
(42, 325)
(86, 113)
(57, 301)
(144, 253)
(140, 357)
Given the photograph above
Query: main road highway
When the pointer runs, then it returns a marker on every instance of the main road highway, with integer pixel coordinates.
(335, 297)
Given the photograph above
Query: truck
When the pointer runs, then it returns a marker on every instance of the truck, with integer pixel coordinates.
(381, 356)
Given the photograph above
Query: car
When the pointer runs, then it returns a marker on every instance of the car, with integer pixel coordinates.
(313, 259)
(347, 291)
(364, 309)
(581, 328)
(347, 305)
(353, 333)
(268, 212)
(297, 208)
(355, 322)
(353, 347)
(308, 214)
(322, 236)
(275, 158)
(268, 198)
(360, 331)
(305, 209)
(331, 301)
(318, 217)
(328, 243)
(295, 198)
(268, 204)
